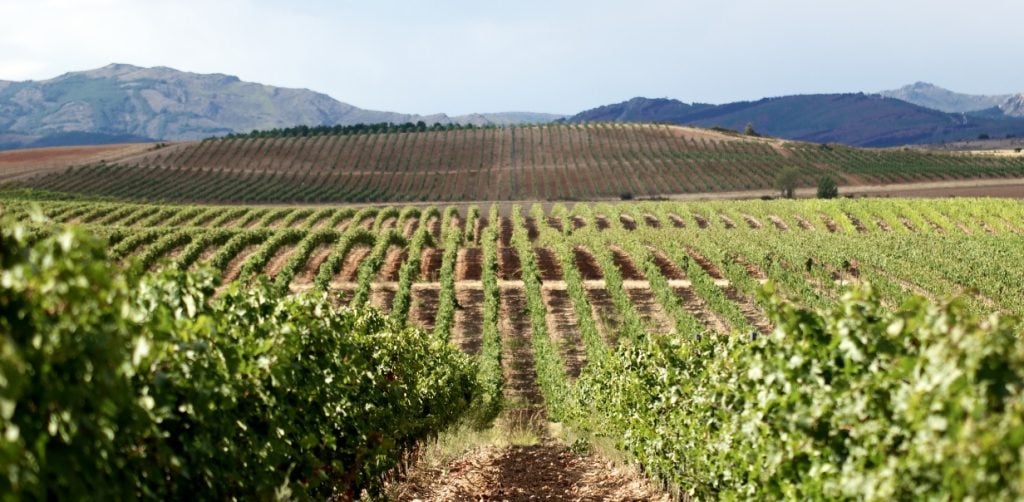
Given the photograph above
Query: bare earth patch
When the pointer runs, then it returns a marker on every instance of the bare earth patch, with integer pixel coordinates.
(544, 471)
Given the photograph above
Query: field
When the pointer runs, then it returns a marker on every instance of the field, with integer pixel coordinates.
(556, 323)
(21, 163)
(540, 163)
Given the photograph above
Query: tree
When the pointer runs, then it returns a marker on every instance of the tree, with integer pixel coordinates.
(749, 130)
(827, 188)
(786, 181)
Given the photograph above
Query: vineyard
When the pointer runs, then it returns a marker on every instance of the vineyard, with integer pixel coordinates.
(538, 163)
(573, 311)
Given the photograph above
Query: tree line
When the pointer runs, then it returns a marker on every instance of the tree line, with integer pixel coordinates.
(346, 130)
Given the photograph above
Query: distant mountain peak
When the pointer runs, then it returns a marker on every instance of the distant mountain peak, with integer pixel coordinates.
(932, 96)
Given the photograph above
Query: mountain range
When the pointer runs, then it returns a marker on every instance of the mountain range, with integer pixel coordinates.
(125, 103)
(868, 120)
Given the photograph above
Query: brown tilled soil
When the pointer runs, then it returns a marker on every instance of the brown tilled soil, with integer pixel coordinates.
(727, 221)
(706, 264)
(602, 222)
(668, 268)
(343, 224)
(563, 326)
(625, 265)
(278, 261)
(509, 267)
(204, 257)
(469, 264)
(505, 233)
(830, 224)
(698, 308)
(321, 220)
(578, 222)
(393, 260)
(804, 224)
(908, 224)
(752, 222)
(350, 266)
(15, 164)
(517, 350)
(650, 310)
(545, 471)
(388, 223)
(702, 222)
(531, 228)
(382, 298)
(410, 227)
(547, 264)
(430, 264)
(751, 312)
(434, 226)
(605, 314)
(587, 264)
(752, 269)
(677, 221)
(859, 225)
(467, 334)
(652, 221)
(307, 275)
(367, 223)
(478, 230)
(555, 223)
(779, 224)
(235, 265)
(423, 311)
(627, 222)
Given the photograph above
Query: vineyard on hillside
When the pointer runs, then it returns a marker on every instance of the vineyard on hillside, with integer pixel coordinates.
(578, 310)
(538, 163)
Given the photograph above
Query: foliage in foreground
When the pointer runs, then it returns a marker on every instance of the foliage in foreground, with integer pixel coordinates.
(856, 402)
(114, 386)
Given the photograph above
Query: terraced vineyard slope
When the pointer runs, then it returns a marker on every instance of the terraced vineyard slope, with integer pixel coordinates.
(539, 163)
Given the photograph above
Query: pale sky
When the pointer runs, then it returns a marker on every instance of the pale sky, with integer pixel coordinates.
(461, 56)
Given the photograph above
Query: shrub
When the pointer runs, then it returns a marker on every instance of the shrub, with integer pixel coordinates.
(854, 402)
(122, 387)
(827, 188)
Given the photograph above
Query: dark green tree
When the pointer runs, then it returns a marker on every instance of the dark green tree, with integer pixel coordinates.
(827, 188)
(786, 181)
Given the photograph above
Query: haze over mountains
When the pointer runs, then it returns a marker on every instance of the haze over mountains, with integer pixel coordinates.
(123, 103)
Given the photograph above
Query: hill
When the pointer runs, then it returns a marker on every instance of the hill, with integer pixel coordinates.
(851, 119)
(119, 103)
(552, 162)
(937, 98)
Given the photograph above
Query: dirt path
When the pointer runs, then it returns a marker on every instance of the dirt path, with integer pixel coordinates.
(544, 471)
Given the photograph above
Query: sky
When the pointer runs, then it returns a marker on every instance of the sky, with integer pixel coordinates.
(461, 56)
